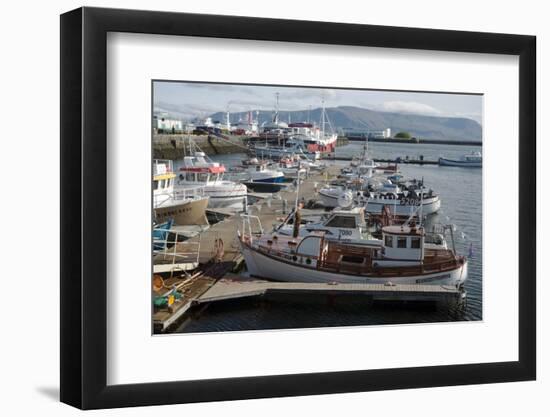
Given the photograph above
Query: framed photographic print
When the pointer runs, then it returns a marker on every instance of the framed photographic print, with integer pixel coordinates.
(334, 207)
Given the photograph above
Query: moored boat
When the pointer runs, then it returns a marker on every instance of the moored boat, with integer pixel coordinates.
(401, 258)
(471, 160)
(196, 170)
(186, 206)
(403, 199)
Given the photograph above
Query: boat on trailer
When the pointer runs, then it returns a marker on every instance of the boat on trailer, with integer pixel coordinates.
(401, 258)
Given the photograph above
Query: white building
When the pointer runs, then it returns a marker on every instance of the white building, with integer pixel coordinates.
(374, 134)
(162, 122)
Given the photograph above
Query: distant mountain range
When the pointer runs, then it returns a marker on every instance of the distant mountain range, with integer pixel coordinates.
(361, 119)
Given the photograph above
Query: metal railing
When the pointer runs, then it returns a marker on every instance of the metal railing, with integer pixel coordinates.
(166, 163)
(173, 254)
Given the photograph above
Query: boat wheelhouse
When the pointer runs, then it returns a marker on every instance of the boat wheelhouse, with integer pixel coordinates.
(347, 225)
(262, 173)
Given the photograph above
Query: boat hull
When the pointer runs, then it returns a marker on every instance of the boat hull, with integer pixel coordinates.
(232, 197)
(236, 202)
(375, 206)
(269, 180)
(429, 206)
(264, 266)
(185, 213)
(265, 187)
(457, 163)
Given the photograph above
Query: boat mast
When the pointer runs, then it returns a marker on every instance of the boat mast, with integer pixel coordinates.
(297, 189)
(422, 202)
(323, 116)
(276, 118)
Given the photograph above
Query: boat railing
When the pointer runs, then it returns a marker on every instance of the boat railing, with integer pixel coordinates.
(172, 253)
(188, 192)
(369, 266)
(162, 166)
(247, 229)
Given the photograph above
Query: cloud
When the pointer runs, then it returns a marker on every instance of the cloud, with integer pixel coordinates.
(410, 107)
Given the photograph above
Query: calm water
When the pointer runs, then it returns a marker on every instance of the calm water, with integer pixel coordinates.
(460, 191)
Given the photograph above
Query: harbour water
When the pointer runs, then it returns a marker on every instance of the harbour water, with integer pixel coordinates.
(461, 194)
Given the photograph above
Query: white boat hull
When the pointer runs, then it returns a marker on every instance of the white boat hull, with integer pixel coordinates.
(458, 163)
(225, 194)
(429, 206)
(237, 202)
(374, 206)
(263, 266)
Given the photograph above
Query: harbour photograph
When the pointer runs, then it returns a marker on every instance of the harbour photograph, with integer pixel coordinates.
(294, 207)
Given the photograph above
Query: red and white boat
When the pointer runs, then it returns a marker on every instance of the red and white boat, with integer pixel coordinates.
(303, 138)
(196, 170)
(314, 138)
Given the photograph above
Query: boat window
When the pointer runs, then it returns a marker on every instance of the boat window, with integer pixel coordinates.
(353, 259)
(401, 242)
(155, 185)
(388, 241)
(415, 243)
(342, 221)
(203, 177)
(161, 183)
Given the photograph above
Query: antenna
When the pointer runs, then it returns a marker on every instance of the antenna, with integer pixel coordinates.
(276, 118)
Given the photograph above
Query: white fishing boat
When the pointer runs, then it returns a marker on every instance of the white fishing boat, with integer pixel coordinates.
(262, 178)
(351, 226)
(186, 206)
(401, 203)
(401, 258)
(471, 160)
(261, 172)
(365, 169)
(300, 138)
(197, 170)
(292, 168)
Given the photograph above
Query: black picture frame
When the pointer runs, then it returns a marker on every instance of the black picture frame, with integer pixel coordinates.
(84, 207)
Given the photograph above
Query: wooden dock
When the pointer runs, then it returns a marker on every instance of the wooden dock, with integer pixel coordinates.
(208, 289)
(229, 289)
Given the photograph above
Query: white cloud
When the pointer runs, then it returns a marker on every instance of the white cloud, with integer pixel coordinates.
(410, 107)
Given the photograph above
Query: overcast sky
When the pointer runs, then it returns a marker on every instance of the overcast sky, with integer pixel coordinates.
(190, 100)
